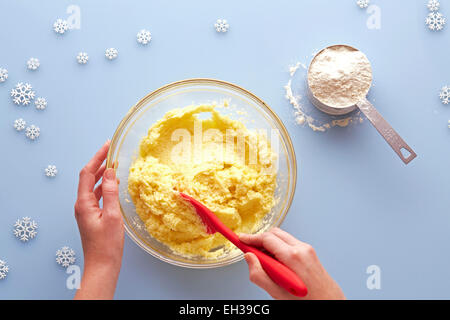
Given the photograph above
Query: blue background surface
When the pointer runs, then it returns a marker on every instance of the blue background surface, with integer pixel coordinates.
(355, 202)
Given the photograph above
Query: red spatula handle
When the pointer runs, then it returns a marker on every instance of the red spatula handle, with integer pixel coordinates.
(278, 272)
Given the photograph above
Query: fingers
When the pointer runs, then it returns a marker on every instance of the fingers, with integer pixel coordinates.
(99, 173)
(88, 173)
(110, 192)
(283, 235)
(252, 239)
(95, 163)
(286, 237)
(98, 192)
(98, 176)
(268, 241)
(259, 277)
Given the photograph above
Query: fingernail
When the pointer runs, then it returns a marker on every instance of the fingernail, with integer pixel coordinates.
(110, 174)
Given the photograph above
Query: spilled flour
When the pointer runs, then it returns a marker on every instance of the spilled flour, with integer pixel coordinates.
(293, 69)
(305, 112)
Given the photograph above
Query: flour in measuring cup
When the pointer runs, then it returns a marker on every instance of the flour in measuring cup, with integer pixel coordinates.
(340, 76)
(304, 112)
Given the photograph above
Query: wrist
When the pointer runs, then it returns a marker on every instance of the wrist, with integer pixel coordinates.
(99, 281)
(97, 266)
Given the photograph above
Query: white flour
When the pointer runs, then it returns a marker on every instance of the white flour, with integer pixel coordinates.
(305, 113)
(293, 69)
(340, 76)
(299, 115)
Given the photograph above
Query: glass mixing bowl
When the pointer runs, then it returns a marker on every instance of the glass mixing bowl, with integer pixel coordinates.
(134, 126)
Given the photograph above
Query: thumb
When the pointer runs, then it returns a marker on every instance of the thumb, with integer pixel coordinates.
(259, 277)
(110, 192)
(252, 261)
(256, 273)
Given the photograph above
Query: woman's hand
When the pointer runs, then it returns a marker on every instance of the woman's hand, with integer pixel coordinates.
(300, 257)
(101, 229)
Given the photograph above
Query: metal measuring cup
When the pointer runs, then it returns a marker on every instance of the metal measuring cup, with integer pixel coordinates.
(383, 127)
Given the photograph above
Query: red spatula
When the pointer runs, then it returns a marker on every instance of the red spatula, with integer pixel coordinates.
(278, 272)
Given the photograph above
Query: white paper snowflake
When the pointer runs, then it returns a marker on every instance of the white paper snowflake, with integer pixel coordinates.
(3, 74)
(51, 171)
(25, 229)
(433, 5)
(32, 132)
(435, 21)
(221, 25)
(363, 3)
(60, 26)
(22, 94)
(111, 53)
(444, 95)
(40, 103)
(19, 124)
(4, 269)
(144, 36)
(65, 256)
(82, 58)
(33, 63)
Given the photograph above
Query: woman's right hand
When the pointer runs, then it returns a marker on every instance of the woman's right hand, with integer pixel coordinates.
(300, 257)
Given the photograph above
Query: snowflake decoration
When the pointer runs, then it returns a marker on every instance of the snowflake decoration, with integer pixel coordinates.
(221, 25)
(65, 256)
(3, 74)
(4, 269)
(22, 94)
(363, 3)
(19, 124)
(433, 5)
(82, 58)
(444, 95)
(40, 103)
(32, 132)
(25, 229)
(60, 26)
(435, 21)
(51, 171)
(111, 53)
(33, 63)
(144, 36)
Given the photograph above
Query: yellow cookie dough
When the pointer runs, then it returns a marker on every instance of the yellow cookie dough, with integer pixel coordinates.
(216, 160)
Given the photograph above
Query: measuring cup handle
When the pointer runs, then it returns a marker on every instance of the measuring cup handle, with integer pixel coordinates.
(388, 133)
